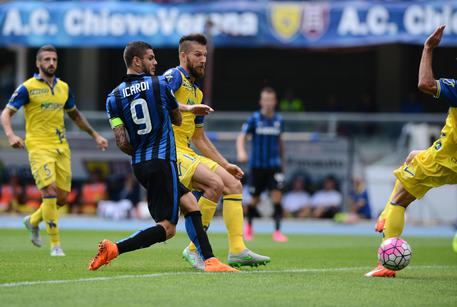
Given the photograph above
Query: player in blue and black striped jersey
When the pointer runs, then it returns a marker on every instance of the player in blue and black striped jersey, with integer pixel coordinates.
(145, 107)
(266, 159)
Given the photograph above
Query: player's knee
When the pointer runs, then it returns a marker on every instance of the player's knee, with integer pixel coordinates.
(215, 187)
(188, 203)
(49, 191)
(170, 229)
(233, 186)
(171, 232)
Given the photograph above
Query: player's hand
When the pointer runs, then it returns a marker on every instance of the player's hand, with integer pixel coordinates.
(411, 155)
(435, 38)
(16, 141)
(242, 156)
(200, 109)
(102, 143)
(235, 171)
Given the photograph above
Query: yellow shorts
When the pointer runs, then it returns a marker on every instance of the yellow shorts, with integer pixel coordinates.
(187, 164)
(424, 173)
(49, 165)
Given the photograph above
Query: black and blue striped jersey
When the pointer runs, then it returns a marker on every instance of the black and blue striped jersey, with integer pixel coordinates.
(142, 103)
(265, 131)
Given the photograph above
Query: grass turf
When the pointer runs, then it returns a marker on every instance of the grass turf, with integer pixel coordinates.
(308, 270)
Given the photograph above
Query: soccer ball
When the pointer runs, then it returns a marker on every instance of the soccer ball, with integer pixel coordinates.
(394, 254)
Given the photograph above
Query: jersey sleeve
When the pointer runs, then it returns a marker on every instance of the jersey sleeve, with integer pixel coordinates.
(173, 78)
(70, 103)
(112, 112)
(281, 125)
(199, 120)
(170, 99)
(249, 126)
(19, 98)
(446, 91)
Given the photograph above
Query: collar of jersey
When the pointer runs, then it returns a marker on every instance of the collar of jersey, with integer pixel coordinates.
(129, 77)
(38, 77)
(181, 69)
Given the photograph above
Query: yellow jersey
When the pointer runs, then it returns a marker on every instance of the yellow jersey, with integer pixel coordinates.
(445, 152)
(186, 92)
(43, 110)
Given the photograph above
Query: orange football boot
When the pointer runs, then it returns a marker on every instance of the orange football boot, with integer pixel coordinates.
(379, 227)
(380, 271)
(107, 251)
(214, 265)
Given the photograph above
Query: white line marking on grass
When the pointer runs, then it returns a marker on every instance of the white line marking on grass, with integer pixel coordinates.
(156, 275)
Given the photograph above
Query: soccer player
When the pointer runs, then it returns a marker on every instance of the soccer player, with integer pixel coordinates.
(44, 98)
(144, 106)
(423, 169)
(266, 159)
(209, 172)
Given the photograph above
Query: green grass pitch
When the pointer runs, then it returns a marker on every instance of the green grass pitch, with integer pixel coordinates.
(309, 270)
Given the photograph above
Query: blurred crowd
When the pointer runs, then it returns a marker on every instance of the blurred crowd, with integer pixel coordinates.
(122, 197)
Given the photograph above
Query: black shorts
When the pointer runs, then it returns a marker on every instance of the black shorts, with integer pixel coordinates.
(265, 179)
(161, 181)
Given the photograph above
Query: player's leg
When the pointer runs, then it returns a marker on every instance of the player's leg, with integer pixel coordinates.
(239, 254)
(251, 214)
(413, 182)
(51, 218)
(162, 193)
(203, 179)
(257, 184)
(276, 197)
(275, 185)
(379, 227)
(197, 234)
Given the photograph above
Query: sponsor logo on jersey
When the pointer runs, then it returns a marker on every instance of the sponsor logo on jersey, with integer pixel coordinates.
(40, 91)
(51, 106)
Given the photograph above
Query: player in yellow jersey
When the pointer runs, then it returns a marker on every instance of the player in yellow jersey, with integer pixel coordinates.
(44, 98)
(423, 169)
(209, 172)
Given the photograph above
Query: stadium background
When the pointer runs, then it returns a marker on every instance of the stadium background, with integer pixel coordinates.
(351, 65)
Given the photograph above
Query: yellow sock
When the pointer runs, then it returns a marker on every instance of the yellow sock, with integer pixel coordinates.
(37, 216)
(233, 219)
(51, 218)
(386, 208)
(207, 208)
(395, 222)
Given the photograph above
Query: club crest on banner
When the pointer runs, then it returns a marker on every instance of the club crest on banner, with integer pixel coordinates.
(315, 20)
(285, 19)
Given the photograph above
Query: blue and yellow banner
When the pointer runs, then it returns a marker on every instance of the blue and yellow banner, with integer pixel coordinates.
(234, 24)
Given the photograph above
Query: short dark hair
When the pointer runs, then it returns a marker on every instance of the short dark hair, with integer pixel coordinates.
(268, 89)
(185, 41)
(44, 48)
(135, 49)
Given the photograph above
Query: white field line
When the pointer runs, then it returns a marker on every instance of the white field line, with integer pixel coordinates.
(157, 275)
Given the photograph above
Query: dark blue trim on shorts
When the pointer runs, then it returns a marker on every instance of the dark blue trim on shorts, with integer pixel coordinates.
(175, 214)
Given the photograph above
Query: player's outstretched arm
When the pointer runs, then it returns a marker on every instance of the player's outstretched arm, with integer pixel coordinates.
(80, 120)
(207, 148)
(427, 82)
(14, 140)
(197, 109)
(122, 140)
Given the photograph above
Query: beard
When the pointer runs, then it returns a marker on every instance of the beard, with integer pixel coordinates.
(197, 72)
(49, 71)
(145, 70)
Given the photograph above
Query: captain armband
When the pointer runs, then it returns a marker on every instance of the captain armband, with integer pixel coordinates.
(115, 122)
